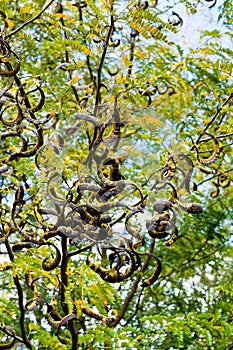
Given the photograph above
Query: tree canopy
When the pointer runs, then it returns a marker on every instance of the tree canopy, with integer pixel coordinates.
(116, 175)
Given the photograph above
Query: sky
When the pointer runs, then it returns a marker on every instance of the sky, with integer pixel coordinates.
(204, 19)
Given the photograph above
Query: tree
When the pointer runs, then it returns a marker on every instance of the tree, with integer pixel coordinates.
(116, 176)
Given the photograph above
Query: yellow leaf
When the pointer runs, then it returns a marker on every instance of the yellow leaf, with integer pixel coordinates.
(71, 20)
(140, 54)
(61, 15)
(77, 78)
(206, 121)
(115, 312)
(125, 60)
(9, 23)
(25, 9)
(111, 99)
(69, 6)
(13, 148)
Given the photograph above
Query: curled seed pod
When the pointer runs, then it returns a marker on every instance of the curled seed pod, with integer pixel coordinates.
(10, 332)
(115, 43)
(4, 16)
(12, 72)
(84, 101)
(224, 180)
(28, 279)
(215, 154)
(112, 275)
(17, 247)
(175, 20)
(173, 238)
(65, 319)
(96, 40)
(52, 316)
(22, 104)
(112, 72)
(213, 4)
(144, 6)
(5, 232)
(49, 265)
(134, 33)
(51, 322)
(57, 141)
(53, 190)
(34, 149)
(16, 134)
(182, 162)
(194, 208)
(167, 173)
(19, 194)
(32, 304)
(11, 109)
(87, 118)
(158, 227)
(155, 274)
(162, 87)
(139, 243)
(191, 208)
(105, 219)
(205, 171)
(215, 193)
(87, 311)
(161, 206)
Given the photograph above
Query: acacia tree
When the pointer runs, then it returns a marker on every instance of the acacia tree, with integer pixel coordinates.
(116, 169)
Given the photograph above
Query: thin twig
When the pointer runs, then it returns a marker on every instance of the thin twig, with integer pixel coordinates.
(212, 120)
(136, 309)
(193, 260)
(79, 251)
(217, 137)
(87, 56)
(29, 21)
(99, 71)
(214, 176)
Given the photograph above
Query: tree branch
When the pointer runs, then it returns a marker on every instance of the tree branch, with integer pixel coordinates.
(20, 300)
(87, 56)
(99, 70)
(214, 176)
(134, 287)
(212, 120)
(64, 285)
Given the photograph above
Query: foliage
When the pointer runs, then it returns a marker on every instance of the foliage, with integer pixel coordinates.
(116, 176)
